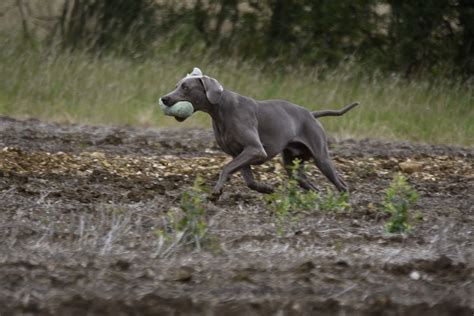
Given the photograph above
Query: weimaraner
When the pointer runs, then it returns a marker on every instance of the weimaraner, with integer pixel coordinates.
(253, 132)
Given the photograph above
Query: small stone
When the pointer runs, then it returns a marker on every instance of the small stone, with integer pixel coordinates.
(410, 166)
(98, 155)
(306, 267)
(415, 275)
(183, 274)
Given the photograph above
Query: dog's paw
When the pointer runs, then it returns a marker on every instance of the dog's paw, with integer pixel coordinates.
(266, 189)
(215, 194)
(262, 188)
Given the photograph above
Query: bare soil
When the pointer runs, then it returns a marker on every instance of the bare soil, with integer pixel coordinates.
(80, 207)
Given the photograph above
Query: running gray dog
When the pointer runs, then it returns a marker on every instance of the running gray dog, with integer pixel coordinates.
(253, 132)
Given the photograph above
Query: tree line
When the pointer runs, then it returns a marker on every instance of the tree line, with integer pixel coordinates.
(408, 37)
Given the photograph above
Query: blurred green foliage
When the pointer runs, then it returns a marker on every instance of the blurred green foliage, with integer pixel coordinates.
(407, 37)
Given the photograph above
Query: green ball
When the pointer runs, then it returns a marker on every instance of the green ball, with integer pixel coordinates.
(181, 109)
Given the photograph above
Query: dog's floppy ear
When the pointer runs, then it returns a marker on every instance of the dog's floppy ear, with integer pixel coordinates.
(213, 89)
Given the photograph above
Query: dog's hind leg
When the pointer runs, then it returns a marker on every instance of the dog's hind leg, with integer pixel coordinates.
(327, 168)
(300, 176)
(317, 145)
(324, 163)
(247, 174)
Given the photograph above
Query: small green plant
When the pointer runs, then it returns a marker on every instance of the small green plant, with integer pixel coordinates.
(400, 198)
(334, 202)
(289, 199)
(189, 226)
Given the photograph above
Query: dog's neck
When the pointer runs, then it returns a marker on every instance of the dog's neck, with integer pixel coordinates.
(216, 111)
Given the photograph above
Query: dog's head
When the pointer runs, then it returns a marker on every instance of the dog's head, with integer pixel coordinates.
(202, 91)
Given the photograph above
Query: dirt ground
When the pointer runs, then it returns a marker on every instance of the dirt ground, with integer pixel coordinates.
(80, 207)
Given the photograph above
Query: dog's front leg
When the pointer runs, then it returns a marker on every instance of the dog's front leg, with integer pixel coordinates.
(250, 155)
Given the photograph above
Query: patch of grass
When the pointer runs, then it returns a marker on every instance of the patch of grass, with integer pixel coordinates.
(189, 227)
(76, 87)
(334, 202)
(400, 198)
(289, 200)
(108, 230)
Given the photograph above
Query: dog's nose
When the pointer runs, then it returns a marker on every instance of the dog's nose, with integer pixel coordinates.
(166, 101)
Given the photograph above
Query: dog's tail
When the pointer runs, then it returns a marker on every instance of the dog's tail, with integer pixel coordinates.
(317, 114)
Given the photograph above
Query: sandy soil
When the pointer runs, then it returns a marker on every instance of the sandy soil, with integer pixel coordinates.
(80, 207)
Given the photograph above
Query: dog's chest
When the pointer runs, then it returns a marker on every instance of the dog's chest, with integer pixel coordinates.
(226, 140)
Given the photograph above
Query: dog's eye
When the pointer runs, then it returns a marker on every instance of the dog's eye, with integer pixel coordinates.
(184, 87)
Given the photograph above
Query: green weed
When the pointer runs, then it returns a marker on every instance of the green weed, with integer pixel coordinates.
(334, 202)
(399, 200)
(190, 226)
(289, 200)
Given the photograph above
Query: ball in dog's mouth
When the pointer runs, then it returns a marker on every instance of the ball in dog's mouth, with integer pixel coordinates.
(181, 110)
